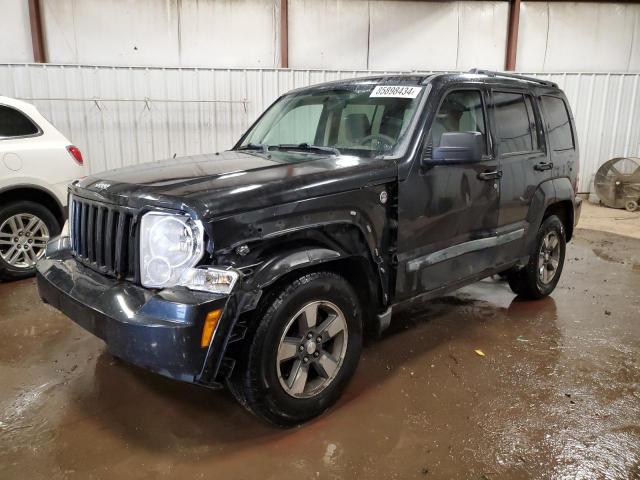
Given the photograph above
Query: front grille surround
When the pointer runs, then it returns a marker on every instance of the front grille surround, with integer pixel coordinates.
(104, 237)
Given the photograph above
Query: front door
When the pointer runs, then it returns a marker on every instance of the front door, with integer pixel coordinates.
(448, 213)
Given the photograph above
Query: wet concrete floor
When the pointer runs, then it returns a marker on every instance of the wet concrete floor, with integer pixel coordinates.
(557, 394)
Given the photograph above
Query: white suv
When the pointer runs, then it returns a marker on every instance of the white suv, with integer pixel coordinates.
(37, 163)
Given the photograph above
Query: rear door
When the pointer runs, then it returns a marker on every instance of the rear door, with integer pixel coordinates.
(523, 161)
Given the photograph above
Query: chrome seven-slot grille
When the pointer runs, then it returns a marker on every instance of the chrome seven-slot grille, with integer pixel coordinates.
(103, 237)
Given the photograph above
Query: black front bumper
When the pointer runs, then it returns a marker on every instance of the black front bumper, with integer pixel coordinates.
(159, 330)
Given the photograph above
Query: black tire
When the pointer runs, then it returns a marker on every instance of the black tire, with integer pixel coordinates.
(8, 271)
(527, 281)
(255, 382)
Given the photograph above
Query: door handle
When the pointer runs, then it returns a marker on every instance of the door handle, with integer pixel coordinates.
(490, 175)
(542, 166)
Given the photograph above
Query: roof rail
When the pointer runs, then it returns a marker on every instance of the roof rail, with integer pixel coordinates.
(491, 73)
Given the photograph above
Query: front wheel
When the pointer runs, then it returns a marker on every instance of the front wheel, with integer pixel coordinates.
(303, 352)
(541, 275)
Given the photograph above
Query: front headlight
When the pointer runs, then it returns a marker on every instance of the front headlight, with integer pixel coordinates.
(170, 244)
(170, 247)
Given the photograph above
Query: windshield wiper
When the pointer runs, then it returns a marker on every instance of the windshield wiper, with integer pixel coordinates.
(307, 148)
(255, 146)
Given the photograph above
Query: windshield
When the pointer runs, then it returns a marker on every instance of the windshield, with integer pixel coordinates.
(363, 120)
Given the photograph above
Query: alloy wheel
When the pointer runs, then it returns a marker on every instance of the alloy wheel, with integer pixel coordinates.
(312, 349)
(23, 240)
(548, 258)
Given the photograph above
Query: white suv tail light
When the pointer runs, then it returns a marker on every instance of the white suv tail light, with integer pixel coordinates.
(76, 154)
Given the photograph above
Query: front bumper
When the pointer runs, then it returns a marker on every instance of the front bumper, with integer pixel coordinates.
(159, 330)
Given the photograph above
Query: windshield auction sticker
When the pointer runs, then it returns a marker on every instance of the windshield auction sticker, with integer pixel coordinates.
(395, 91)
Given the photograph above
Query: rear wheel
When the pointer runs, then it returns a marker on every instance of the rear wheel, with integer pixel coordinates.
(541, 275)
(25, 229)
(303, 352)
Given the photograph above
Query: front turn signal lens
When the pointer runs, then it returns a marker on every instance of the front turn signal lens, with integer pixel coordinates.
(210, 324)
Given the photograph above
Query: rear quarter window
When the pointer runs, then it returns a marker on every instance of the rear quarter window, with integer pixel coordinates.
(14, 123)
(559, 129)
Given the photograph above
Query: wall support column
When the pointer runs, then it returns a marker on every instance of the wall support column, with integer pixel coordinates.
(284, 33)
(512, 34)
(37, 35)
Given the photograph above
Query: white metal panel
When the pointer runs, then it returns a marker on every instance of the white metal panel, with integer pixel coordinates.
(413, 35)
(15, 31)
(337, 34)
(124, 115)
(483, 35)
(115, 32)
(634, 60)
(437, 35)
(229, 33)
(330, 34)
(572, 36)
(162, 32)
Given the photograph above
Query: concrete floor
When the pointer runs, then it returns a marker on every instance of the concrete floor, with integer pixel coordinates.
(557, 394)
(621, 222)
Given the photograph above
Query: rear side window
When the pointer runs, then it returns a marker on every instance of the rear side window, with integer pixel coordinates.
(516, 123)
(558, 123)
(15, 124)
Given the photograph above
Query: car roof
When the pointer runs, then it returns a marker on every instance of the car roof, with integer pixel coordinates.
(13, 102)
(410, 79)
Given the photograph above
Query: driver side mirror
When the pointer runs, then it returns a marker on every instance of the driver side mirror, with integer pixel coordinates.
(457, 147)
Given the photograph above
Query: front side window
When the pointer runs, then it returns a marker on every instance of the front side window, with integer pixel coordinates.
(363, 120)
(558, 123)
(516, 123)
(15, 124)
(460, 111)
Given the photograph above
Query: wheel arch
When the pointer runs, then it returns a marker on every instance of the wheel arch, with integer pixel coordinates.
(34, 194)
(264, 283)
(563, 209)
(552, 197)
(354, 262)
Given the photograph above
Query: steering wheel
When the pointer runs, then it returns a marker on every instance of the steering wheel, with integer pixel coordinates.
(381, 138)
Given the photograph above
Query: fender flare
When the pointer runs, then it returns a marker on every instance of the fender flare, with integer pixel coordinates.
(549, 192)
(544, 196)
(287, 262)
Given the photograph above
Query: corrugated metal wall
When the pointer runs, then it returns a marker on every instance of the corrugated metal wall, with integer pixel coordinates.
(126, 115)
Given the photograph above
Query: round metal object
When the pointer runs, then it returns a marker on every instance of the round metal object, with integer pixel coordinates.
(310, 347)
(617, 181)
(631, 205)
(23, 240)
(548, 258)
(305, 372)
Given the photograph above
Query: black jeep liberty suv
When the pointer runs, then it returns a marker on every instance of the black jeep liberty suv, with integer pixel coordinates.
(263, 267)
